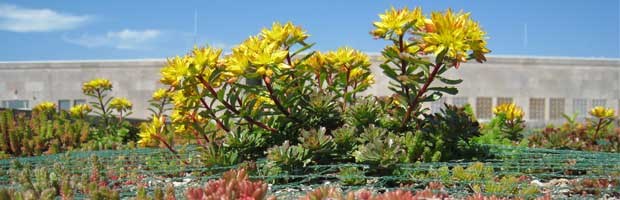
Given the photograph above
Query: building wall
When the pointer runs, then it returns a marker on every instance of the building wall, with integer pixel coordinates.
(528, 81)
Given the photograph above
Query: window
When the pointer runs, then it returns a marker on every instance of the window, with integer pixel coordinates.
(599, 102)
(460, 101)
(503, 100)
(537, 108)
(556, 108)
(484, 107)
(580, 107)
(15, 104)
(79, 101)
(436, 106)
(64, 104)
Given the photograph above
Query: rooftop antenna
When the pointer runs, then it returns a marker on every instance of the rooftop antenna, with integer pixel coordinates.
(195, 26)
(525, 36)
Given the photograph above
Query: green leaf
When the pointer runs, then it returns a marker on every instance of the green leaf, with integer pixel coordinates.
(305, 47)
(448, 90)
(388, 71)
(440, 57)
(449, 81)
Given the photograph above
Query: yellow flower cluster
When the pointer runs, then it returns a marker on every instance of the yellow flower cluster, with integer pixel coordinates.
(259, 101)
(45, 106)
(287, 34)
(602, 112)
(160, 94)
(455, 33)
(315, 63)
(346, 58)
(149, 131)
(398, 22)
(80, 110)
(343, 60)
(510, 110)
(98, 84)
(201, 62)
(258, 55)
(120, 104)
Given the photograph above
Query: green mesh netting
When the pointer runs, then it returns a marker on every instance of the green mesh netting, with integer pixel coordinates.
(562, 173)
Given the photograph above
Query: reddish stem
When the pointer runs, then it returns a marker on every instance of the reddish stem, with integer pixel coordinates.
(274, 98)
(414, 104)
(232, 108)
(170, 148)
(219, 122)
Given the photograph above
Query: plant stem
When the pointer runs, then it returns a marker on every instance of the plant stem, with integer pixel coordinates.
(274, 98)
(414, 104)
(218, 121)
(232, 108)
(104, 112)
(598, 127)
(170, 148)
(346, 90)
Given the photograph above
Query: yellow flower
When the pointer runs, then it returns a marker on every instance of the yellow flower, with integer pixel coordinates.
(120, 104)
(510, 110)
(456, 33)
(175, 70)
(258, 53)
(45, 106)
(98, 84)
(202, 62)
(80, 110)
(259, 100)
(346, 58)
(316, 62)
(149, 131)
(370, 79)
(206, 57)
(398, 22)
(160, 94)
(237, 62)
(287, 34)
(602, 112)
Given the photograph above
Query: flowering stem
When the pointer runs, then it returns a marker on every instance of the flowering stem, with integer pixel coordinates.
(232, 108)
(274, 98)
(210, 111)
(346, 90)
(598, 127)
(120, 117)
(176, 153)
(414, 104)
(104, 112)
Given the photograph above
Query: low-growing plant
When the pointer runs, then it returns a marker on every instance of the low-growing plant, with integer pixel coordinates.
(110, 130)
(351, 176)
(234, 184)
(45, 131)
(595, 134)
(449, 133)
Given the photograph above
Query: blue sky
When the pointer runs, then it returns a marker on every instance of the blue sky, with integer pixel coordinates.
(114, 29)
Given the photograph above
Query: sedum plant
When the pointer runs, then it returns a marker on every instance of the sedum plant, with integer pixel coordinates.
(451, 38)
(595, 134)
(110, 130)
(44, 132)
(234, 184)
(273, 96)
(511, 123)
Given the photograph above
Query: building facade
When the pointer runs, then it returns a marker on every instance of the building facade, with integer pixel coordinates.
(544, 87)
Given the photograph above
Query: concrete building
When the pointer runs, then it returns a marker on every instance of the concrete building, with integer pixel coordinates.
(545, 87)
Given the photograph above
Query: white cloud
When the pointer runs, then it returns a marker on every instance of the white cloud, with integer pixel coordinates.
(18, 19)
(124, 39)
